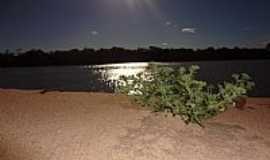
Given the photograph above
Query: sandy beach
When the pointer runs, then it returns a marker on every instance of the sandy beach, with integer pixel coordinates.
(98, 126)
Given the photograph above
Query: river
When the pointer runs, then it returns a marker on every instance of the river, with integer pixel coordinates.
(97, 77)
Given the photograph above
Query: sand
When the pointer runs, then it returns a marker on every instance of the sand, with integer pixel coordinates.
(99, 126)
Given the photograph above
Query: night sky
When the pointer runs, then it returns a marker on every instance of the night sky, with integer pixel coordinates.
(66, 24)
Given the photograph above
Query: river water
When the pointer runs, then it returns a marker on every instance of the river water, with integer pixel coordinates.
(98, 77)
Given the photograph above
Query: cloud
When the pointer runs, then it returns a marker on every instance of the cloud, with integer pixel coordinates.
(188, 30)
(168, 23)
(266, 42)
(94, 33)
(164, 44)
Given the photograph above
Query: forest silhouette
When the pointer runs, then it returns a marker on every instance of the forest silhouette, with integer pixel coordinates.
(87, 56)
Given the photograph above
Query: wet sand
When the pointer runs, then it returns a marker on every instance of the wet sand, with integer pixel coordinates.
(99, 126)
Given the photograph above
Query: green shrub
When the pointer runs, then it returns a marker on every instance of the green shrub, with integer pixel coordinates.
(176, 90)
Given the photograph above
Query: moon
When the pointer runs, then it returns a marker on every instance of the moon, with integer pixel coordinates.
(133, 4)
(136, 4)
(150, 5)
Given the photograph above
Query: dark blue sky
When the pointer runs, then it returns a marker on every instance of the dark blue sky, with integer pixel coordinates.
(65, 24)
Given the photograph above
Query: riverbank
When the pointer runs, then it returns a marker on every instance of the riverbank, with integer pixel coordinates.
(99, 126)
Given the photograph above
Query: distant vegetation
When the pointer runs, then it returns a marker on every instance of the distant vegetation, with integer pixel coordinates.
(37, 57)
(177, 91)
(268, 47)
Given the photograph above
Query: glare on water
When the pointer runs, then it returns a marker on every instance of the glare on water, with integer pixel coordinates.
(114, 71)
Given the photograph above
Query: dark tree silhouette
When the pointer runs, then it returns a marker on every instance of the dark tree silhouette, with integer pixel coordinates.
(37, 57)
(268, 47)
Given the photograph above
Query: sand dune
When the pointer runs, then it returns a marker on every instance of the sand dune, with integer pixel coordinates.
(99, 126)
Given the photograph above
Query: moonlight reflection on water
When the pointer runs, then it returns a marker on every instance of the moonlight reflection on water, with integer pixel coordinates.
(112, 72)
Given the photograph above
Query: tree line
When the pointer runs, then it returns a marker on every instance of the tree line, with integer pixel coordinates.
(88, 56)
